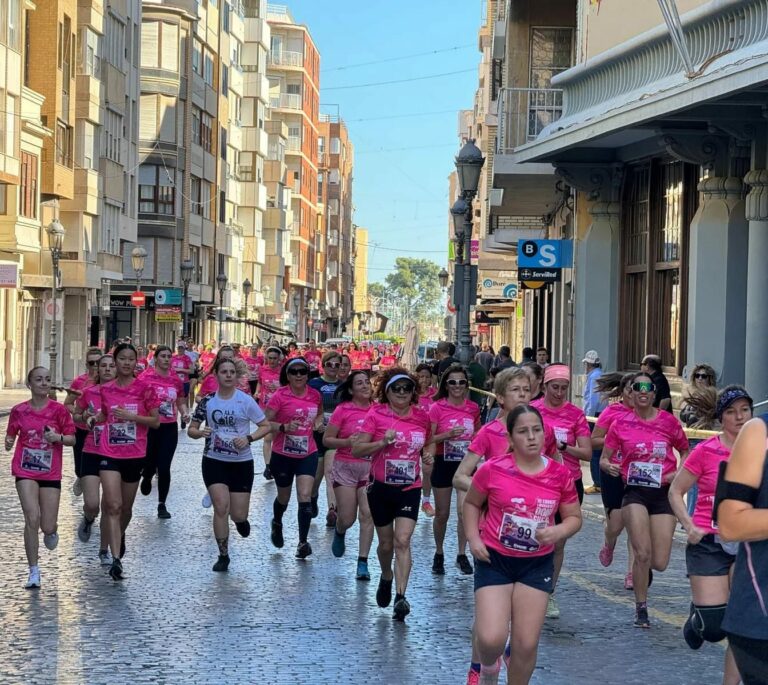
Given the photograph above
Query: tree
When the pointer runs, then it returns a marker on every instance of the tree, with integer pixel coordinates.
(413, 288)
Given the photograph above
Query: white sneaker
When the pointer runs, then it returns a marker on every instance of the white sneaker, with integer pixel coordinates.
(105, 558)
(207, 501)
(553, 611)
(77, 488)
(34, 578)
(51, 540)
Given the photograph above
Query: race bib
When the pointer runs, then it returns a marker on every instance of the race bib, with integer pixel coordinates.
(455, 450)
(659, 450)
(644, 474)
(296, 444)
(399, 472)
(123, 433)
(518, 532)
(37, 460)
(326, 418)
(223, 443)
(166, 409)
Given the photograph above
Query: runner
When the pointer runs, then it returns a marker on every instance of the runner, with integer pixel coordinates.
(454, 421)
(163, 440)
(227, 460)
(129, 407)
(254, 362)
(350, 474)
(313, 356)
(709, 560)
(295, 411)
(646, 439)
(345, 368)
(183, 366)
(42, 426)
(426, 392)
(574, 445)
(269, 382)
(394, 433)
(509, 515)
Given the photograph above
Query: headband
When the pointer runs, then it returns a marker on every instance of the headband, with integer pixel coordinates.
(297, 360)
(275, 349)
(557, 372)
(727, 398)
(399, 377)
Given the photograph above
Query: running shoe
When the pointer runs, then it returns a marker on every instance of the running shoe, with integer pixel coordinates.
(330, 517)
(428, 509)
(77, 488)
(592, 490)
(362, 571)
(438, 565)
(473, 677)
(464, 565)
(650, 577)
(641, 618)
(277, 534)
(33, 581)
(222, 563)
(628, 582)
(338, 545)
(50, 540)
(605, 555)
(692, 630)
(489, 675)
(401, 609)
(116, 570)
(105, 558)
(183, 424)
(207, 504)
(84, 529)
(243, 528)
(384, 593)
(146, 485)
(122, 545)
(303, 550)
(162, 512)
(315, 508)
(553, 611)
(268, 473)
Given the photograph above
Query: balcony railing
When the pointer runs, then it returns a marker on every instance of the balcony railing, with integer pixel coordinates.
(524, 113)
(279, 13)
(293, 144)
(286, 58)
(285, 101)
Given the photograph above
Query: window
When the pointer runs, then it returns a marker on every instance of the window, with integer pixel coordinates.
(65, 50)
(28, 186)
(11, 111)
(225, 10)
(114, 38)
(202, 128)
(63, 144)
(201, 197)
(89, 51)
(113, 135)
(169, 48)
(195, 193)
(196, 114)
(156, 190)
(3, 198)
(237, 53)
(236, 108)
(224, 79)
(551, 54)
(223, 145)
(208, 67)
(13, 19)
(87, 155)
(197, 57)
(110, 228)
(333, 176)
(335, 146)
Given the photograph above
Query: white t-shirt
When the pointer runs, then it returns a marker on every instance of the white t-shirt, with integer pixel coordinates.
(228, 419)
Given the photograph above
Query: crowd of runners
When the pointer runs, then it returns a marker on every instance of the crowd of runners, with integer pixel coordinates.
(391, 443)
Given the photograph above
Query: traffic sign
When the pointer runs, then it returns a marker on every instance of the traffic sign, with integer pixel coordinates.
(138, 298)
(546, 275)
(545, 254)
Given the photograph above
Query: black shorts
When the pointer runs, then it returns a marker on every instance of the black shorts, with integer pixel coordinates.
(536, 572)
(285, 469)
(579, 484)
(655, 500)
(321, 449)
(43, 483)
(186, 389)
(708, 558)
(89, 464)
(77, 451)
(129, 469)
(236, 475)
(611, 491)
(443, 472)
(390, 502)
(252, 385)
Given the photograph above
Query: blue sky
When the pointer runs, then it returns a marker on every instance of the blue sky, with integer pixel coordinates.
(401, 164)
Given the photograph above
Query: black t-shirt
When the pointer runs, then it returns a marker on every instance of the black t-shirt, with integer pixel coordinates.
(443, 364)
(662, 389)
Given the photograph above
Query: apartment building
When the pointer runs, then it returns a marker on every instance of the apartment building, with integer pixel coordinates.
(658, 153)
(293, 73)
(361, 269)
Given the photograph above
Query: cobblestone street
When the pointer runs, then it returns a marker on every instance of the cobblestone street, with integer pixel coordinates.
(273, 619)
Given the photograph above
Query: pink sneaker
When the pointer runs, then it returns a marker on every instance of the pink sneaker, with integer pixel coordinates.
(628, 584)
(473, 677)
(489, 675)
(428, 509)
(605, 555)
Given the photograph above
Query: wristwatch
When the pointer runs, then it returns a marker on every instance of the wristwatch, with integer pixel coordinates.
(250, 438)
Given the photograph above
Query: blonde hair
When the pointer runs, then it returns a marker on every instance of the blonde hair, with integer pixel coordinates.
(505, 378)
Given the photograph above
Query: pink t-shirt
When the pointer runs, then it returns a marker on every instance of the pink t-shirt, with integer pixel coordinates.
(445, 416)
(34, 457)
(648, 459)
(141, 365)
(492, 440)
(313, 359)
(704, 463)
(613, 412)
(253, 365)
(181, 361)
(126, 439)
(288, 407)
(567, 423)
(91, 400)
(168, 389)
(80, 383)
(269, 383)
(519, 504)
(349, 417)
(426, 400)
(400, 462)
(209, 385)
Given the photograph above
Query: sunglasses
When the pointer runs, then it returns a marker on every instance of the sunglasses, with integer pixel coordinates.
(701, 375)
(402, 389)
(643, 386)
(298, 372)
(93, 362)
(453, 381)
(334, 365)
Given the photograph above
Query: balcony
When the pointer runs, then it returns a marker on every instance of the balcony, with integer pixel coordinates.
(285, 101)
(293, 144)
(524, 113)
(500, 29)
(286, 58)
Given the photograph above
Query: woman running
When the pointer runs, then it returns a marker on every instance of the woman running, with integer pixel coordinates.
(345, 367)
(350, 474)
(295, 411)
(426, 392)
(129, 407)
(227, 460)
(394, 433)
(254, 362)
(509, 514)
(613, 385)
(86, 409)
(184, 368)
(455, 419)
(709, 560)
(163, 440)
(269, 383)
(646, 439)
(536, 376)
(42, 426)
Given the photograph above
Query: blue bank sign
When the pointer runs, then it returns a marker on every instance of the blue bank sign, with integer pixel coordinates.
(544, 254)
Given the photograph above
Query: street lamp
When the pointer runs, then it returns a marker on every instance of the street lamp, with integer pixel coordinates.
(469, 165)
(55, 233)
(187, 267)
(221, 282)
(247, 288)
(443, 278)
(138, 260)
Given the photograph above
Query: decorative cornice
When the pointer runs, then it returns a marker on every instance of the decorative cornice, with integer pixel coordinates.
(719, 187)
(699, 149)
(757, 198)
(599, 181)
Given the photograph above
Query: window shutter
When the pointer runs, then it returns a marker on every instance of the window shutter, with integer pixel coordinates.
(148, 117)
(170, 56)
(149, 44)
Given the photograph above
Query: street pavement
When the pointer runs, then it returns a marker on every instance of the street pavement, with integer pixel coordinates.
(275, 620)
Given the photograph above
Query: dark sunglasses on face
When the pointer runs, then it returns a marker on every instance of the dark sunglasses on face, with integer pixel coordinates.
(402, 389)
(93, 362)
(301, 371)
(643, 386)
(456, 382)
(701, 375)
(332, 365)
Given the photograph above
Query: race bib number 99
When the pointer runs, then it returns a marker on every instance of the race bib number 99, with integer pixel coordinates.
(518, 532)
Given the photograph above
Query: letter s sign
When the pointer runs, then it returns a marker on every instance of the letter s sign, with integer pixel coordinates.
(547, 256)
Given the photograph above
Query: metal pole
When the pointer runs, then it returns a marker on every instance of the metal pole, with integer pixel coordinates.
(185, 315)
(221, 315)
(465, 340)
(137, 323)
(53, 353)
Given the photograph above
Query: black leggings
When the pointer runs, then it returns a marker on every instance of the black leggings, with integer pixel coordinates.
(77, 450)
(751, 658)
(161, 446)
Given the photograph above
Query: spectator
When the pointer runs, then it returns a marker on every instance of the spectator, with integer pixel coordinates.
(542, 357)
(594, 403)
(443, 357)
(702, 377)
(503, 359)
(651, 365)
(528, 355)
(485, 357)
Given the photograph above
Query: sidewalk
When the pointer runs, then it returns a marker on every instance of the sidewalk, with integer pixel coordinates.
(11, 397)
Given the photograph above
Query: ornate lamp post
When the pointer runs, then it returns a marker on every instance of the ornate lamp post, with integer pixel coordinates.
(187, 267)
(56, 234)
(138, 261)
(221, 283)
